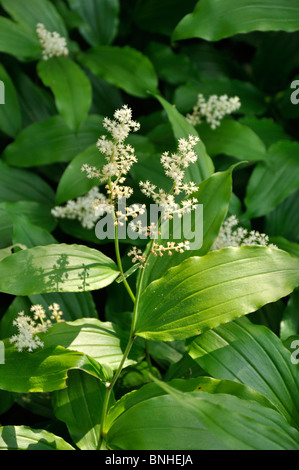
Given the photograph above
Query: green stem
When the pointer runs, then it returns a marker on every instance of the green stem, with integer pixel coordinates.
(119, 264)
(117, 252)
(125, 356)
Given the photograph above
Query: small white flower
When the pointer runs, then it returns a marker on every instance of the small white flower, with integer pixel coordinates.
(86, 209)
(56, 312)
(120, 156)
(174, 167)
(28, 329)
(213, 110)
(53, 44)
(232, 235)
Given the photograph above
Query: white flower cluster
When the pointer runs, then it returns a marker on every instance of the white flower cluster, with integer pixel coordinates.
(232, 235)
(120, 156)
(158, 250)
(56, 312)
(53, 44)
(28, 328)
(213, 110)
(86, 209)
(174, 167)
(170, 248)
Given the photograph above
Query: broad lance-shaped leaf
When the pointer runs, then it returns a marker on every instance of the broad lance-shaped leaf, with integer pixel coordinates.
(233, 139)
(273, 179)
(103, 341)
(50, 141)
(73, 182)
(45, 369)
(185, 419)
(204, 384)
(80, 406)
(87, 344)
(22, 185)
(70, 86)
(56, 268)
(25, 438)
(215, 19)
(33, 12)
(124, 67)
(18, 40)
(252, 355)
(100, 19)
(204, 292)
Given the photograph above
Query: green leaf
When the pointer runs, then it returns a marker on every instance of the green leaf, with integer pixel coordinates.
(28, 234)
(124, 67)
(54, 268)
(182, 129)
(204, 384)
(6, 227)
(214, 193)
(214, 19)
(44, 370)
(273, 180)
(74, 183)
(51, 141)
(21, 185)
(35, 11)
(252, 355)
(284, 220)
(185, 418)
(268, 130)
(25, 438)
(10, 113)
(233, 139)
(18, 40)
(103, 341)
(289, 325)
(80, 406)
(70, 86)
(101, 20)
(4, 252)
(36, 102)
(38, 214)
(204, 292)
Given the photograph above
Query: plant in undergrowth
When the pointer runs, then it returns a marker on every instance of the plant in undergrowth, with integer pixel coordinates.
(149, 258)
